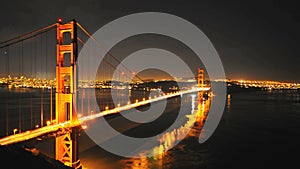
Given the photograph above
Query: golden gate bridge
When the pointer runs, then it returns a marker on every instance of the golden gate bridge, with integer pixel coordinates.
(63, 118)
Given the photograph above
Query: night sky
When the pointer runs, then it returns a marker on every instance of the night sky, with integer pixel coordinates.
(255, 40)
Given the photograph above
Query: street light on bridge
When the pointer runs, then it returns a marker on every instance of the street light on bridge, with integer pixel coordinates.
(15, 130)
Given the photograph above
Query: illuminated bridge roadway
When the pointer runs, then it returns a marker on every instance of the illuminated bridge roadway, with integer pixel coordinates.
(52, 128)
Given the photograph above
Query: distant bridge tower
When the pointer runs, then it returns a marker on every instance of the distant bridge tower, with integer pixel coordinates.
(66, 86)
(200, 82)
(200, 77)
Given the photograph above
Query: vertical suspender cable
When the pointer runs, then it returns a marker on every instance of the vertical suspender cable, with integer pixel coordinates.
(41, 58)
(51, 94)
(6, 117)
(7, 70)
(42, 89)
(20, 106)
(31, 111)
(46, 57)
(7, 53)
(19, 61)
(22, 61)
(20, 114)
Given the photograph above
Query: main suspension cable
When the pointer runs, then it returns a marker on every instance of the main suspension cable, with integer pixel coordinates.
(23, 38)
(98, 44)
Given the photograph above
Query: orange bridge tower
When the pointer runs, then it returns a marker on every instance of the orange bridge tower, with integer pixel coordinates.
(66, 86)
(200, 82)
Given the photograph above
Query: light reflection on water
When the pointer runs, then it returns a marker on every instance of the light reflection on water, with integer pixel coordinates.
(193, 126)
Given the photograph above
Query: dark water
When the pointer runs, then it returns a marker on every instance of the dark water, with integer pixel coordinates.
(258, 130)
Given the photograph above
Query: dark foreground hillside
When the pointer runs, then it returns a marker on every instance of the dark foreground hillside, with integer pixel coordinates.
(15, 157)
